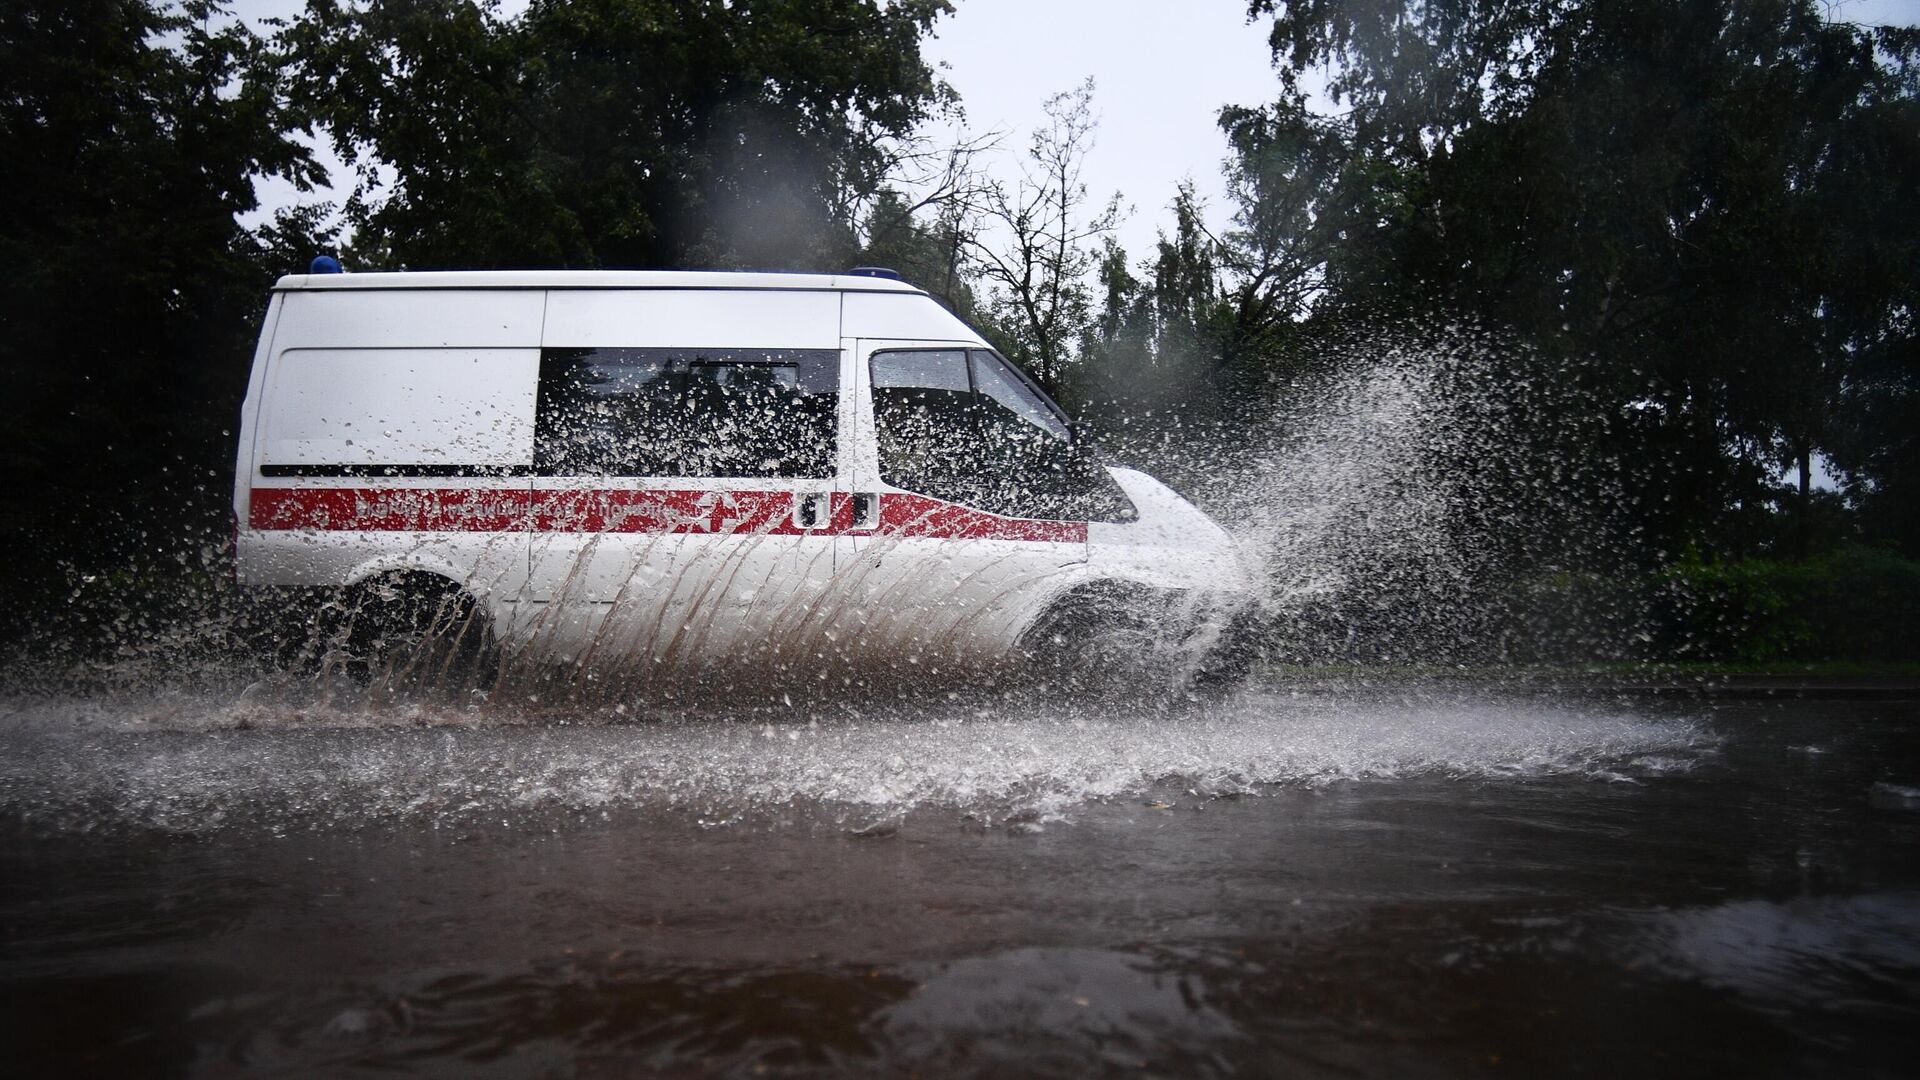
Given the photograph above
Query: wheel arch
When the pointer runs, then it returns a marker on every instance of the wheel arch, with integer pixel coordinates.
(413, 565)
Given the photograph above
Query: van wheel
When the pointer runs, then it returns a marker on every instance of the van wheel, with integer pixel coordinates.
(408, 631)
(1229, 665)
(1224, 671)
(1112, 636)
(1101, 636)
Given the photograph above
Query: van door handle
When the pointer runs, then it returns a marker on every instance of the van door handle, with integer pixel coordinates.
(866, 510)
(812, 510)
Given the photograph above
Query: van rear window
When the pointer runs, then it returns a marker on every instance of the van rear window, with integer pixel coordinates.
(687, 412)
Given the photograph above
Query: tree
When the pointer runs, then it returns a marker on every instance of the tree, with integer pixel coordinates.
(1300, 202)
(946, 183)
(926, 254)
(134, 134)
(1158, 344)
(614, 132)
(1696, 204)
(1211, 325)
(1033, 254)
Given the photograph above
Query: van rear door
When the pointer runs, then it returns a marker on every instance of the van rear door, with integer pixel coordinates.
(391, 428)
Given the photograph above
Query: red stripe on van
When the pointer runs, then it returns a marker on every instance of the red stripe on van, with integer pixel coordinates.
(666, 511)
(389, 509)
(340, 509)
(917, 515)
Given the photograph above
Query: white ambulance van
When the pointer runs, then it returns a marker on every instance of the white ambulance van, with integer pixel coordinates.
(664, 472)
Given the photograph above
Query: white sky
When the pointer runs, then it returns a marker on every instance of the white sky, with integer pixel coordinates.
(1161, 73)
(1162, 69)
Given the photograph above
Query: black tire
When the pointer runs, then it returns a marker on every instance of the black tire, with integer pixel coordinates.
(1224, 670)
(1112, 637)
(407, 631)
(1097, 638)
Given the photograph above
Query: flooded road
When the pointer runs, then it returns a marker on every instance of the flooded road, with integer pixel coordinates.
(1325, 883)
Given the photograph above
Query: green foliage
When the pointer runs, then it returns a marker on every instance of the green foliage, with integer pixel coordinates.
(927, 254)
(1210, 329)
(1158, 343)
(133, 135)
(1297, 187)
(1853, 604)
(612, 132)
(1742, 611)
(1709, 206)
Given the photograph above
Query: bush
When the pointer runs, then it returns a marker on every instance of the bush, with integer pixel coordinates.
(1853, 604)
(1573, 617)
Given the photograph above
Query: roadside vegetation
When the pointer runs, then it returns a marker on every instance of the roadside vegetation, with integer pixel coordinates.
(1681, 241)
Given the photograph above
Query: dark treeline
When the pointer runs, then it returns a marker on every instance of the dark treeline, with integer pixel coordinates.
(1697, 224)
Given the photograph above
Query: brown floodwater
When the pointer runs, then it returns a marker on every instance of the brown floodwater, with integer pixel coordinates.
(1325, 883)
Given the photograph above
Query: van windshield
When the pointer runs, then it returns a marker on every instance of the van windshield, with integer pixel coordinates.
(960, 425)
(687, 412)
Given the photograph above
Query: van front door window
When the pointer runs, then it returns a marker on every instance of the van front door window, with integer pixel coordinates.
(959, 425)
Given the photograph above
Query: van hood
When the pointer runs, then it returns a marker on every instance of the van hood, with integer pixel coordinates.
(1172, 545)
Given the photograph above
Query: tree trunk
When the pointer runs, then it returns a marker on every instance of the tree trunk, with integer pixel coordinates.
(1803, 528)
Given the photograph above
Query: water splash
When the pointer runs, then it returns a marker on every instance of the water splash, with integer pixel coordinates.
(998, 758)
(869, 629)
(1402, 497)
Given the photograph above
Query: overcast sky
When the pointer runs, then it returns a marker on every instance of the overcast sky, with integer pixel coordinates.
(1161, 73)
(1161, 68)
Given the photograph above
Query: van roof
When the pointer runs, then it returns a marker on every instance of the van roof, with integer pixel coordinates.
(597, 279)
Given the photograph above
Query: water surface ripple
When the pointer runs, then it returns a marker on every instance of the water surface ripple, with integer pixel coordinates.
(197, 766)
(1333, 882)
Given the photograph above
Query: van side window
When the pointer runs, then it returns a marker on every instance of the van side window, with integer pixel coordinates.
(938, 370)
(960, 425)
(687, 412)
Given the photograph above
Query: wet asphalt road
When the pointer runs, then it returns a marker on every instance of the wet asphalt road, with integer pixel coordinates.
(1310, 884)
